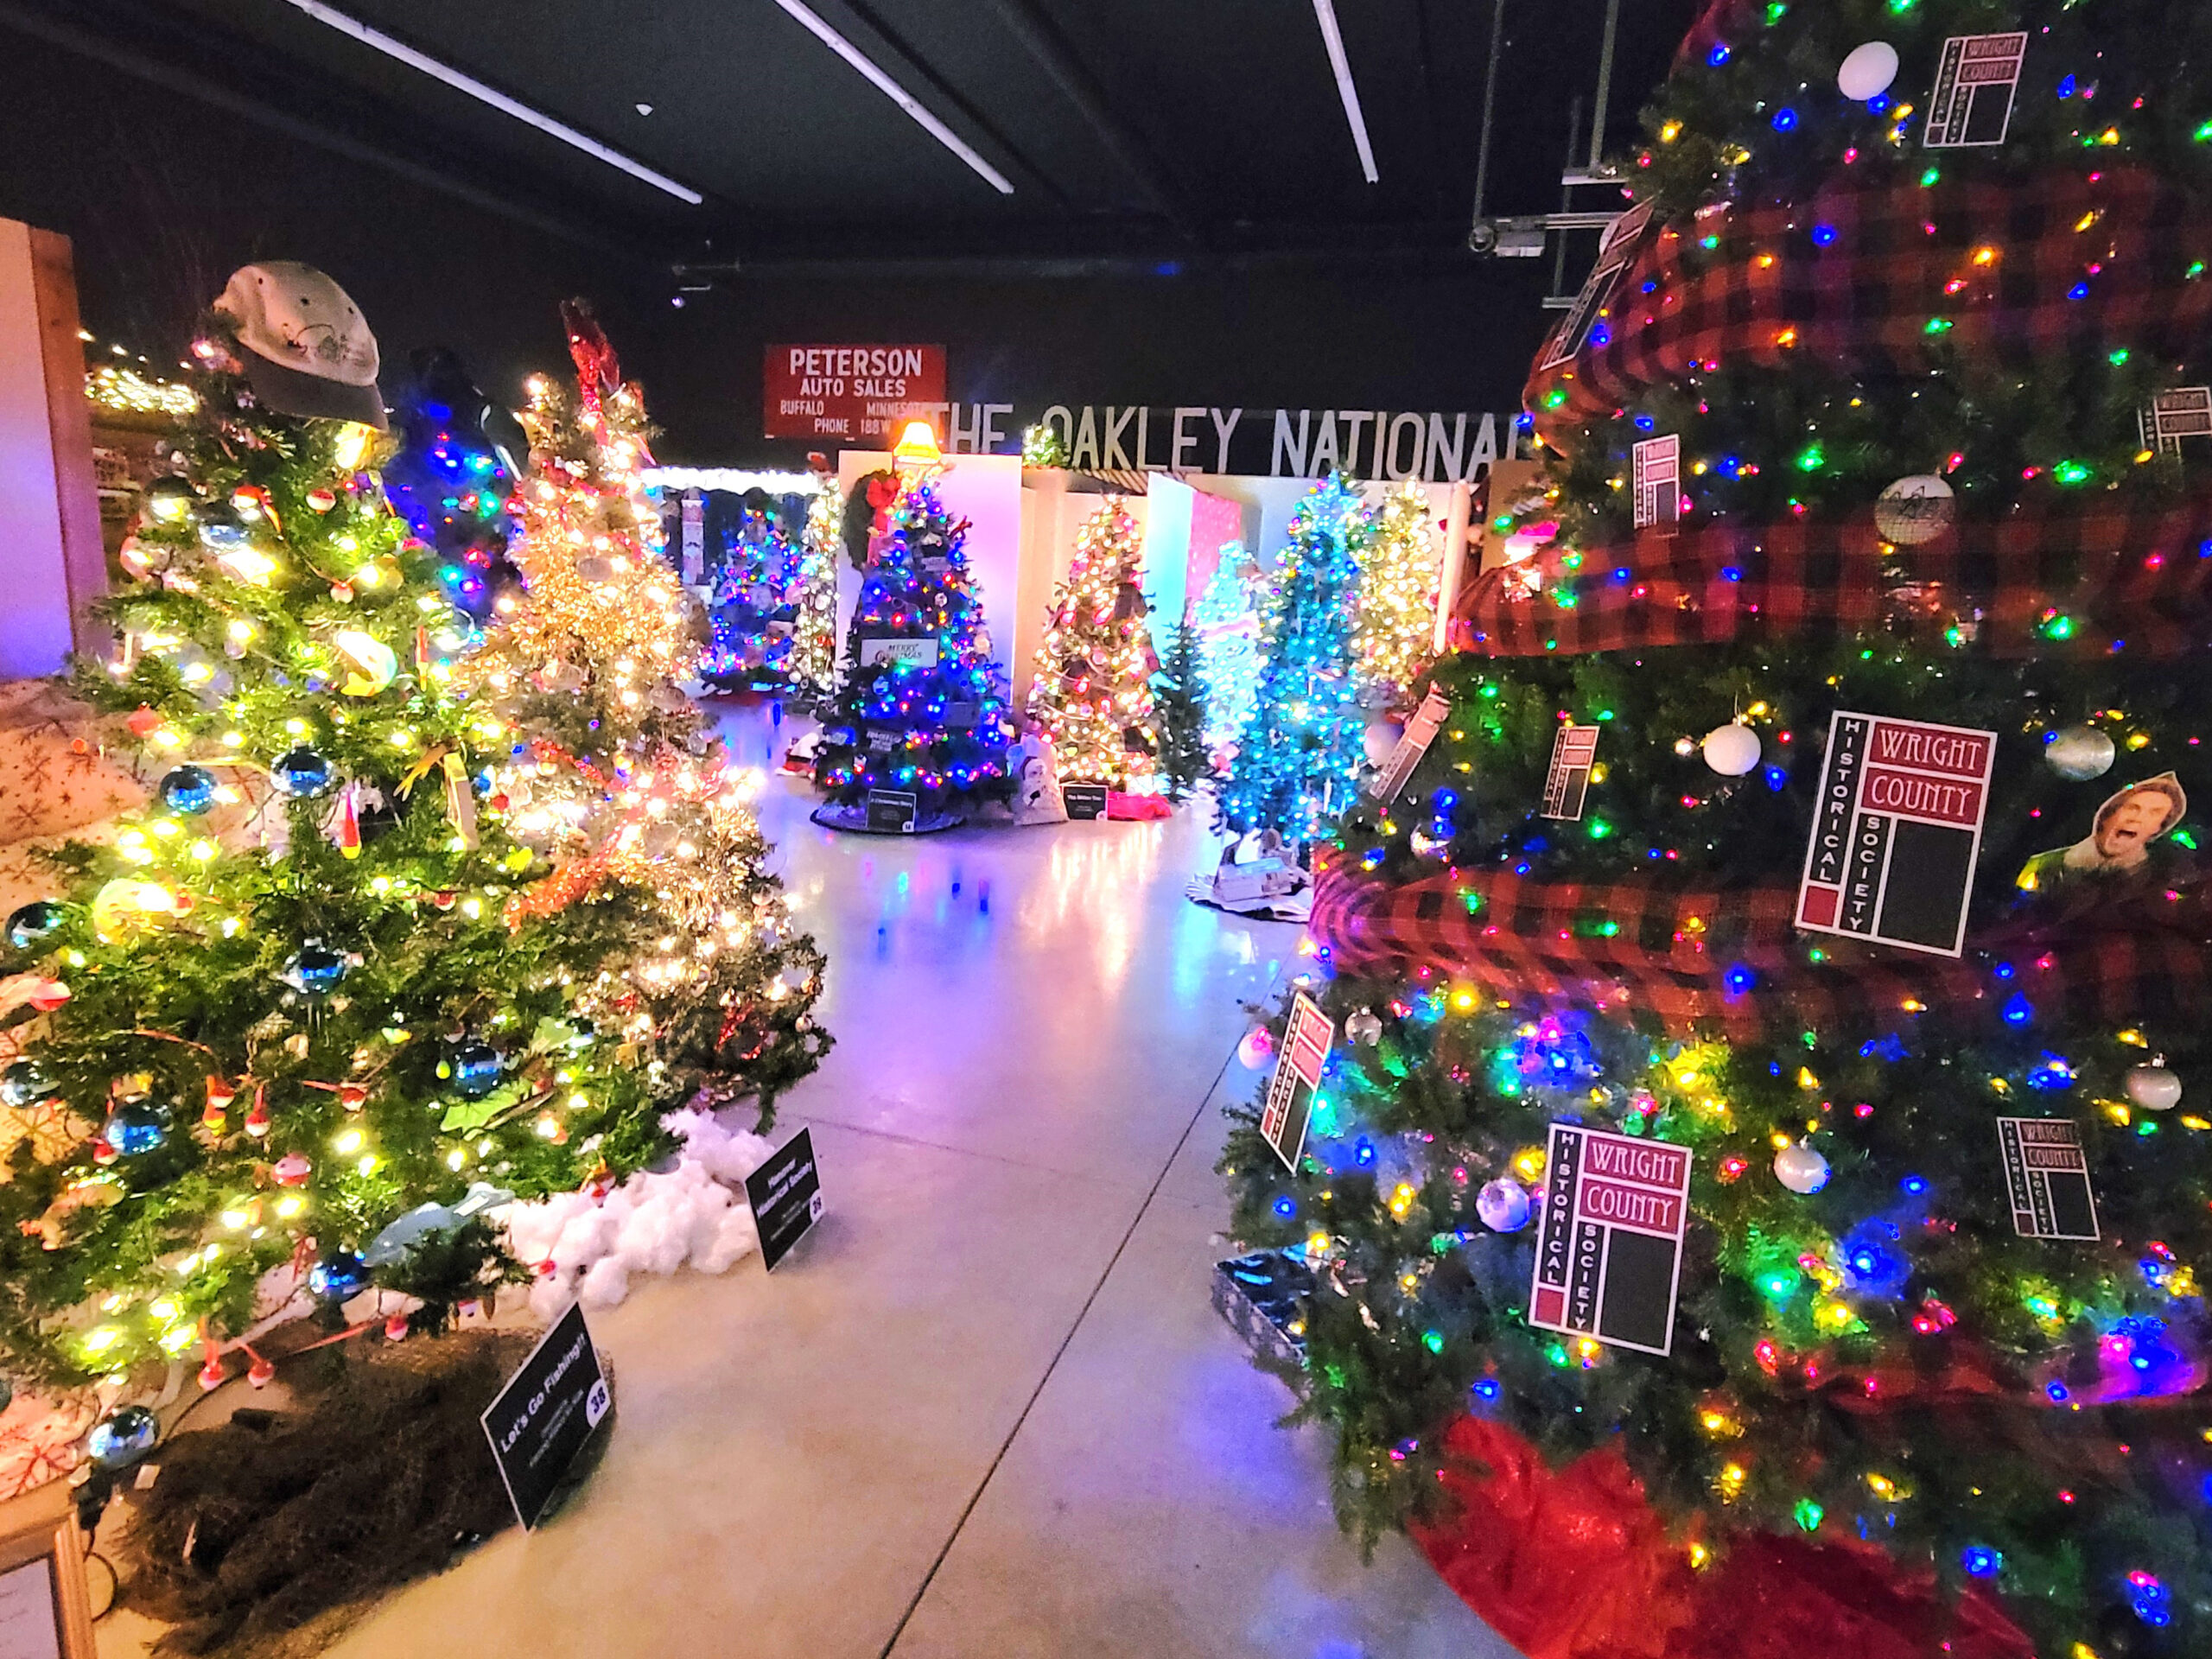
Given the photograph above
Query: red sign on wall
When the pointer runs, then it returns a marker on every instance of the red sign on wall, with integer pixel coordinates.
(857, 394)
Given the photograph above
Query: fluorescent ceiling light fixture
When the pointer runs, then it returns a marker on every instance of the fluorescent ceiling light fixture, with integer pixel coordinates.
(499, 101)
(1324, 12)
(807, 19)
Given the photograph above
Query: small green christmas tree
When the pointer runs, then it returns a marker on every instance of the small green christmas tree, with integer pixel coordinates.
(1178, 715)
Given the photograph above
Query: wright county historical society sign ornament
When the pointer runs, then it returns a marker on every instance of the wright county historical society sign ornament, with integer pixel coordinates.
(1609, 1256)
(1897, 832)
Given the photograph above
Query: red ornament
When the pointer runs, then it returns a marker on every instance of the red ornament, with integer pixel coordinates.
(212, 1374)
(261, 1373)
(256, 1115)
(342, 592)
(292, 1170)
(103, 1153)
(394, 1328)
(322, 501)
(143, 722)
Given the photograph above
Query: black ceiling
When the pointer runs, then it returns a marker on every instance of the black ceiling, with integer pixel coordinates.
(1163, 129)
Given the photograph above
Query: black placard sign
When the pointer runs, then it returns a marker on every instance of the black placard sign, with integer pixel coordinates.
(1573, 752)
(1085, 800)
(891, 810)
(785, 1194)
(2047, 1178)
(1609, 1254)
(546, 1413)
(1897, 832)
(1289, 1106)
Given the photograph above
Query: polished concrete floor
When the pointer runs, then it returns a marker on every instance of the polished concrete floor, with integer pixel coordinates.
(986, 1408)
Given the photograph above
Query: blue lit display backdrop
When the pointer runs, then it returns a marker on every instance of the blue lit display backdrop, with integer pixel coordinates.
(922, 706)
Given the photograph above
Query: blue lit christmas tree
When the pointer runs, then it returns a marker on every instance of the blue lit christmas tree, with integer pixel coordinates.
(1298, 755)
(1227, 623)
(922, 705)
(450, 482)
(753, 611)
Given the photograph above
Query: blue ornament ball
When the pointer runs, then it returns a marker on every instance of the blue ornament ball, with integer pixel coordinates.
(314, 969)
(124, 1436)
(338, 1277)
(303, 772)
(190, 790)
(474, 1068)
(23, 1085)
(136, 1127)
(32, 922)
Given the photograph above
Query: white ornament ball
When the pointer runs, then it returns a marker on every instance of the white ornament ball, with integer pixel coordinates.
(1732, 750)
(2154, 1087)
(1914, 510)
(1801, 1169)
(1257, 1048)
(2079, 754)
(1364, 1026)
(1380, 738)
(1503, 1206)
(1868, 71)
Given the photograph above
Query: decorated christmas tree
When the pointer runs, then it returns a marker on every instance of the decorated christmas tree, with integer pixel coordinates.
(284, 1007)
(1299, 752)
(450, 483)
(813, 662)
(753, 612)
(1092, 691)
(1178, 715)
(1770, 1025)
(610, 771)
(1227, 620)
(920, 709)
(1394, 623)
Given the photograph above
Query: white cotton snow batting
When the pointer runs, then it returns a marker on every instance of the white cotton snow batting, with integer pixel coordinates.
(587, 1250)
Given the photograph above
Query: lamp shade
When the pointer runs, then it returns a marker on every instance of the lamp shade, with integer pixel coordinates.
(917, 446)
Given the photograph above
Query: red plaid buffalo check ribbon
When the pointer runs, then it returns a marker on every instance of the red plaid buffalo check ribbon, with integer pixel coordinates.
(2138, 582)
(1704, 958)
(2078, 264)
(2128, 576)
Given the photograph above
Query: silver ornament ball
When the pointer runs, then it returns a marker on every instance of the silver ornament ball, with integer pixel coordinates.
(2079, 754)
(1867, 70)
(1732, 750)
(1801, 1169)
(1503, 1206)
(2153, 1087)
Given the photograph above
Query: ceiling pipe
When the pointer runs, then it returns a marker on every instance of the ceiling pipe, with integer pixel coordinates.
(1027, 22)
(72, 37)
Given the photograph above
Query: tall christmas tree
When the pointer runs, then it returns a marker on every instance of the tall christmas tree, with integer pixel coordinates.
(1092, 693)
(611, 772)
(450, 482)
(284, 1006)
(1867, 946)
(1299, 754)
(813, 663)
(1394, 622)
(921, 708)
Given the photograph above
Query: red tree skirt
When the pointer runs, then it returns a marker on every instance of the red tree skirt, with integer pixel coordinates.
(1574, 1564)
